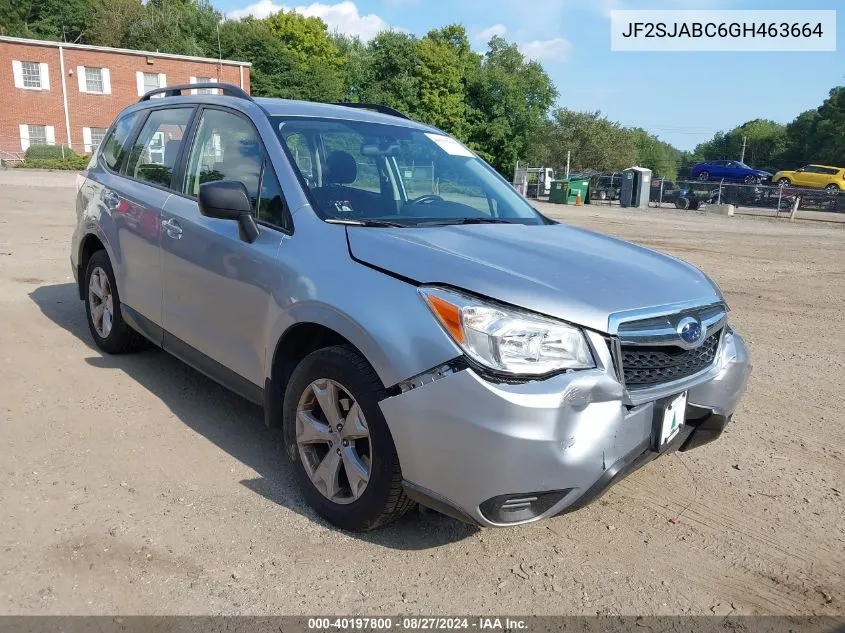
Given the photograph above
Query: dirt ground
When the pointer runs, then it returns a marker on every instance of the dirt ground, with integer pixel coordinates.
(135, 485)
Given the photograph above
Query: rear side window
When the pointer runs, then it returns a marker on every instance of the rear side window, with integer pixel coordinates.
(114, 147)
(153, 156)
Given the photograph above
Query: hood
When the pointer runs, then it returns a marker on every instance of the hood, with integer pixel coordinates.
(760, 172)
(569, 273)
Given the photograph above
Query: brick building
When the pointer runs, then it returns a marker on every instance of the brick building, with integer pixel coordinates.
(60, 93)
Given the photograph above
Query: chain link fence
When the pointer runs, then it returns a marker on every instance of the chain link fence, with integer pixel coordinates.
(696, 194)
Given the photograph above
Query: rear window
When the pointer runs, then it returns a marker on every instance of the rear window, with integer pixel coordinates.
(114, 148)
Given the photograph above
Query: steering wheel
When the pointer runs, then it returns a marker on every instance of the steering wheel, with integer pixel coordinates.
(426, 199)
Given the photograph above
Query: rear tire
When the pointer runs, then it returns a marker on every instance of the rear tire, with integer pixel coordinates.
(382, 498)
(103, 310)
(705, 175)
(831, 188)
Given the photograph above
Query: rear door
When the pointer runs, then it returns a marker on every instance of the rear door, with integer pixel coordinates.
(217, 287)
(145, 182)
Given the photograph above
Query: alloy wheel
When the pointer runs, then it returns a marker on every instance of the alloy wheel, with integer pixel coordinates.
(101, 302)
(333, 441)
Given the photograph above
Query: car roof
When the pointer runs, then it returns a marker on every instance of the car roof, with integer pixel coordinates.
(825, 166)
(294, 108)
(289, 107)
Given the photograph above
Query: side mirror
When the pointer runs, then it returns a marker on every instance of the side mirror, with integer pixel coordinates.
(229, 200)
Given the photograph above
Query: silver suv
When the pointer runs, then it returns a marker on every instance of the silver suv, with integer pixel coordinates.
(416, 329)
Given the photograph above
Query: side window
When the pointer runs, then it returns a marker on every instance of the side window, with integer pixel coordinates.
(114, 147)
(343, 145)
(225, 147)
(153, 156)
(271, 202)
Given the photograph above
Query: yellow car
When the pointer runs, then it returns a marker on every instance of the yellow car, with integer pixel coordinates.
(817, 176)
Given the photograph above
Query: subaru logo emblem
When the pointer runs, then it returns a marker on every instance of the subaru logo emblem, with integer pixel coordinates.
(690, 331)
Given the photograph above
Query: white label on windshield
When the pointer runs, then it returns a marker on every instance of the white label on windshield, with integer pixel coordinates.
(449, 145)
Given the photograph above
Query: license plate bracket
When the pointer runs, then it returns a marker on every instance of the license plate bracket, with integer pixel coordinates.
(669, 418)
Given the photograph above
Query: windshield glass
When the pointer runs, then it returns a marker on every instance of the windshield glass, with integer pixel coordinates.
(741, 165)
(371, 172)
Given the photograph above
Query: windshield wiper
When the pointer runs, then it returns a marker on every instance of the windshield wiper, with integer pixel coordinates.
(470, 220)
(381, 223)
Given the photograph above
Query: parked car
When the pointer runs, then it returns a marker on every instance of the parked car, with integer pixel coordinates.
(605, 186)
(816, 176)
(416, 339)
(728, 170)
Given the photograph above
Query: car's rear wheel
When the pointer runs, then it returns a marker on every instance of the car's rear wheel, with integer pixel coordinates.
(831, 188)
(102, 306)
(704, 175)
(339, 440)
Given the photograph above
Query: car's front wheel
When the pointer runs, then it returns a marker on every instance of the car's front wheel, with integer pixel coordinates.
(340, 442)
(750, 179)
(102, 306)
(784, 182)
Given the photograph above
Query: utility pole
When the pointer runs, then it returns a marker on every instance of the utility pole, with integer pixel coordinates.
(744, 140)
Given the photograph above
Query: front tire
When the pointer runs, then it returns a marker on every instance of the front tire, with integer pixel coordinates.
(336, 435)
(784, 182)
(102, 307)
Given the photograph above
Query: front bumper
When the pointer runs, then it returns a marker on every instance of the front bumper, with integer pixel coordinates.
(501, 454)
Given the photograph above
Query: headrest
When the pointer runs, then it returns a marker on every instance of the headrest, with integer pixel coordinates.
(341, 168)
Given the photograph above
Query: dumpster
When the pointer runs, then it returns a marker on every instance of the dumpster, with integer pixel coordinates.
(557, 193)
(577, 185)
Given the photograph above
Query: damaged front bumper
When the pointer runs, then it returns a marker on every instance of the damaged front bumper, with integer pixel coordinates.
(500, 454)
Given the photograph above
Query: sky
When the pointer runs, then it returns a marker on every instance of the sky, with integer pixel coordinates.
(682, 97)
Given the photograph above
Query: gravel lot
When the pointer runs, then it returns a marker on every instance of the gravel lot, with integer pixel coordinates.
(135, 485)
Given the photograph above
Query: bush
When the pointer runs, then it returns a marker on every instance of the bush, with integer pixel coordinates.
(75, 163)
(48, 151)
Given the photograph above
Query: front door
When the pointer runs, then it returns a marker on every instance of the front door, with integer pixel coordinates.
(217, 287)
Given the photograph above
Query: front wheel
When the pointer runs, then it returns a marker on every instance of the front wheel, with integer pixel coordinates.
(784, 182)
(340, 442)
(751, 180)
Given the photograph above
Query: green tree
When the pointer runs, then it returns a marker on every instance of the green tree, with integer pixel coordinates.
(594, 142)
(186, 27)
(277, 70)
(58, 20)
(508, 99)
(112, 20)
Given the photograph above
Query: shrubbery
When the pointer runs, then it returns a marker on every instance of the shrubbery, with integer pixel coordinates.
(49, 151)
(72, 162)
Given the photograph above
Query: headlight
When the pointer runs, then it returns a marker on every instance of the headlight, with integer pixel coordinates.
(506, 339)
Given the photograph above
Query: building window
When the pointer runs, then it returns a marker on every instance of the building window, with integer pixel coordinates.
(37, 134)
(205, 91)
(92, 137)
(150, 82)
(31, 74)
(94, 80)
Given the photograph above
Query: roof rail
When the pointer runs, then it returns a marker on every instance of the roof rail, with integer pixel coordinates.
(176, 91)
(376, 107)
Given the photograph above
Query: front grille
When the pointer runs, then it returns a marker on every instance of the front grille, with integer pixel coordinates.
(646, 366)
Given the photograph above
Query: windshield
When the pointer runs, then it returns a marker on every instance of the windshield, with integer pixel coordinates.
(741, 165)
(374, 173)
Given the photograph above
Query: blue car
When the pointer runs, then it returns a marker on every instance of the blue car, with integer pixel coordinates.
(729, 170)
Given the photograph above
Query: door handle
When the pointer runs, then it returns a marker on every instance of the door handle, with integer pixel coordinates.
(172, 228)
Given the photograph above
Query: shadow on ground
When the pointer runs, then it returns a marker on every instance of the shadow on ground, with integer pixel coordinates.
(233, 424)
